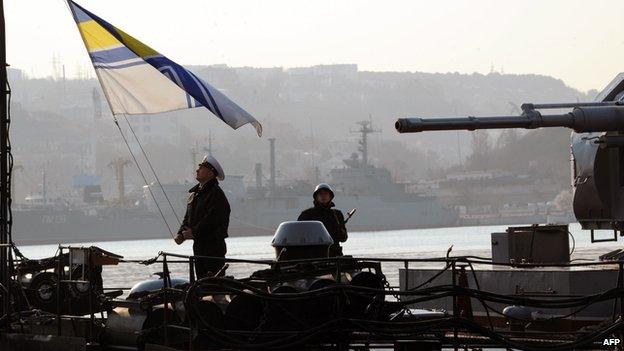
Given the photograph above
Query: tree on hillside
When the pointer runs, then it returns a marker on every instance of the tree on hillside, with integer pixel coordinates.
(481, 145)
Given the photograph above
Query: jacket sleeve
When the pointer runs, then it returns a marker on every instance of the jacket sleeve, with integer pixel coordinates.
(184, 223)
(217, 215)
(342, 233)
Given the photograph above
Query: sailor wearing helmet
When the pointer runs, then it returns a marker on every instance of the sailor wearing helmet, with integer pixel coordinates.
(332, 219)
(207, 218)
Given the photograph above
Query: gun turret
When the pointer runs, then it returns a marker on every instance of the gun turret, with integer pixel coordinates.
(584, 118)
(596, 149)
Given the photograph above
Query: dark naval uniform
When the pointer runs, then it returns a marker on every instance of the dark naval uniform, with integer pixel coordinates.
(208, 215)
(334, 222)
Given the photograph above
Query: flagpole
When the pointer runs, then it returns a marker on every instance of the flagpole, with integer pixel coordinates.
(5, 187)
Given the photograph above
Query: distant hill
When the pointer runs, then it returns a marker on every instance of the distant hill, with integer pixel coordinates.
(543, 153)
(310, 110)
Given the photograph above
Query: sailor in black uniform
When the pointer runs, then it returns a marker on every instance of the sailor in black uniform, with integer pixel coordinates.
(207, 218)
(332, 219)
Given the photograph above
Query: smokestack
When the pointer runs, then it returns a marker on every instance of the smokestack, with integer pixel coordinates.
(258, 175)
(272, 179)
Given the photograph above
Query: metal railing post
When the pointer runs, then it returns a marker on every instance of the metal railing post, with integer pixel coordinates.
(192, 324)
(59, 278)
(620, 285)
(191, 270)
(455, 312)
(406, 267)
(90, 270)
(165, 300)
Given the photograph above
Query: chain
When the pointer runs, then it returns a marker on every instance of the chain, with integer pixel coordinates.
(386, 284)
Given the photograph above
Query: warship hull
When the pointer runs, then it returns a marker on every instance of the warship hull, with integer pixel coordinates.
(248, 217)
(46, 226)
(373, 213)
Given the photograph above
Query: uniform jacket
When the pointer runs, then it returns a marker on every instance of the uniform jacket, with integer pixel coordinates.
(207, 213)
(332, 219)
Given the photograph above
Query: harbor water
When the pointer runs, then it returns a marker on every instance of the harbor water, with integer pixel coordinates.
(421, 243)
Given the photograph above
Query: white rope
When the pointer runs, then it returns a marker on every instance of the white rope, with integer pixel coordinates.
(149, 163)
(136, 162)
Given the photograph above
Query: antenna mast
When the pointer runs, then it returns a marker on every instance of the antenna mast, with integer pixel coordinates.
(366, 127)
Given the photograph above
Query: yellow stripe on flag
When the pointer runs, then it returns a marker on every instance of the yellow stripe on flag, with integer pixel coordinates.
(135, 45)
(96, 37)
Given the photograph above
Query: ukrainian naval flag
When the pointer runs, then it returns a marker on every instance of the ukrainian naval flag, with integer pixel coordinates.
(136, 79)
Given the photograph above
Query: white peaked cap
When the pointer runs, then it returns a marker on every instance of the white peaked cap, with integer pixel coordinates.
(216, 165)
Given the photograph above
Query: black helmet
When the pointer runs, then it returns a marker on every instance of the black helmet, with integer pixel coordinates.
(322, 186)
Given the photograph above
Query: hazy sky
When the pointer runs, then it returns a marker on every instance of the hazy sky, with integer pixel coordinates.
(581, 42)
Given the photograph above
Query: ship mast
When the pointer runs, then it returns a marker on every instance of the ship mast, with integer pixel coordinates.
(5, 181)
(366, 127)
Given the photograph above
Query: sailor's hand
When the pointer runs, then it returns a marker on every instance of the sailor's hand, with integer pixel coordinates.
(188, 233)
(179, 239)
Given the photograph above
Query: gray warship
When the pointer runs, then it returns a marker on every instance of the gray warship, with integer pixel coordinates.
(381, 203)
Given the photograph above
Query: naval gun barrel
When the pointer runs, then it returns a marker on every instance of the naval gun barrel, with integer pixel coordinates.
(582, 119)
